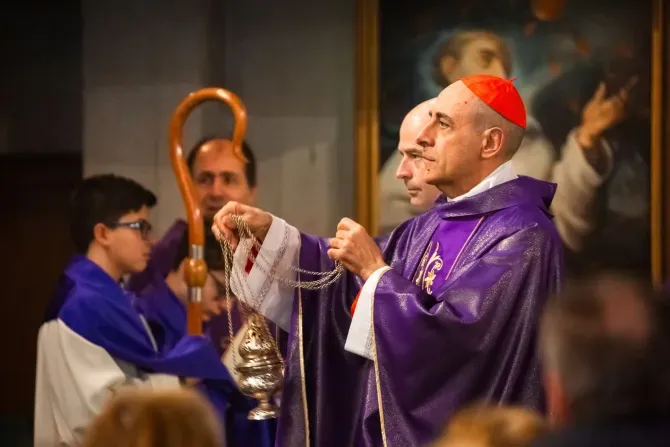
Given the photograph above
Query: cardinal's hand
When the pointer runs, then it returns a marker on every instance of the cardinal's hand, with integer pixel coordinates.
(257, 220)
(355, 249)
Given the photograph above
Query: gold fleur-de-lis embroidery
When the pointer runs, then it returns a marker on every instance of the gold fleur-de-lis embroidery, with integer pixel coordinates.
(421, 271)
(428, 281)
(431, 264)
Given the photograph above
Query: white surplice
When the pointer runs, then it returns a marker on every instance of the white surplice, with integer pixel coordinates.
(74, 380)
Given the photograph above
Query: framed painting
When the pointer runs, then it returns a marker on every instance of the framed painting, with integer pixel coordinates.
(571, 61)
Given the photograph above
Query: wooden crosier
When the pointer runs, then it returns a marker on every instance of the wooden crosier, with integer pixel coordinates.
(196, 268)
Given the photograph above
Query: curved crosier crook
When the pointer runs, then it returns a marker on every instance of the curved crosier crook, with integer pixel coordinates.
(196, 268)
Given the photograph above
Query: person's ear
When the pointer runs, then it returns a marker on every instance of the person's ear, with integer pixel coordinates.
(102, 234)
(492, 142)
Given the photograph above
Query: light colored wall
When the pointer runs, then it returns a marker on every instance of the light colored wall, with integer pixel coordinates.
(291, 62)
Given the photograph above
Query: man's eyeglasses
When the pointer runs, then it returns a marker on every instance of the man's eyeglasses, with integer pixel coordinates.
(144, 227)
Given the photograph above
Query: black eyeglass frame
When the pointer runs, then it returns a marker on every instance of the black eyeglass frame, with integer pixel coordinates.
(144, 227)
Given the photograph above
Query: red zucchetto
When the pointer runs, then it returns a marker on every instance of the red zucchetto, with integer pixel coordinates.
(500, 94)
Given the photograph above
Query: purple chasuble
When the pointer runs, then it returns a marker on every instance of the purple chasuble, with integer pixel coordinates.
(473, 337)
(436, 262)
(441, 252)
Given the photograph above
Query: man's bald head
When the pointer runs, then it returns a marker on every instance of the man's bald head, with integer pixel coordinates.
(410, 169)
(488, 120)
(465, 140)
(601, 340)
(414, 121)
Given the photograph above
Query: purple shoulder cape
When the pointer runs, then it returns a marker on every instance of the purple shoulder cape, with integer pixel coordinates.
(475, 340)
(94, 305)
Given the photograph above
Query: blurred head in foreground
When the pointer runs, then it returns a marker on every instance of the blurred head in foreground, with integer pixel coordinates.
(492, 426)
(602, 342)
(155, 418)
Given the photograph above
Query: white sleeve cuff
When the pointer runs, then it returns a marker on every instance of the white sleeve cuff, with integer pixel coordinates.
(578, 184)
(359, 338)
(261, 288)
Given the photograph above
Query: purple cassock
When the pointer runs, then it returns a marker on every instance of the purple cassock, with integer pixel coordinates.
(453, 321)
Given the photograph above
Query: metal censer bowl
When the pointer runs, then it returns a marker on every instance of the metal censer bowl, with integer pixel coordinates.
(260, 368)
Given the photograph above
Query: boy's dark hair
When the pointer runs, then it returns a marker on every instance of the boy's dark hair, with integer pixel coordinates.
(104, 199)
(249, 168)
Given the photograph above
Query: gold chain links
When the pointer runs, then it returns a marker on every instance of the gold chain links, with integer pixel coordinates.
(327, 278)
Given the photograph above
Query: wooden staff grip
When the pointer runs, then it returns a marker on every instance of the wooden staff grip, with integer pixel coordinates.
(196, 268)
(195, 273)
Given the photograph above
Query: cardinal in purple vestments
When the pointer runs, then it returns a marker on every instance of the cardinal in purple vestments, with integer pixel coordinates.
(447, 310)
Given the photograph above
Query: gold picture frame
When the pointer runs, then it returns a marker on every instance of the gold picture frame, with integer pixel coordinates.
(367, 125)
